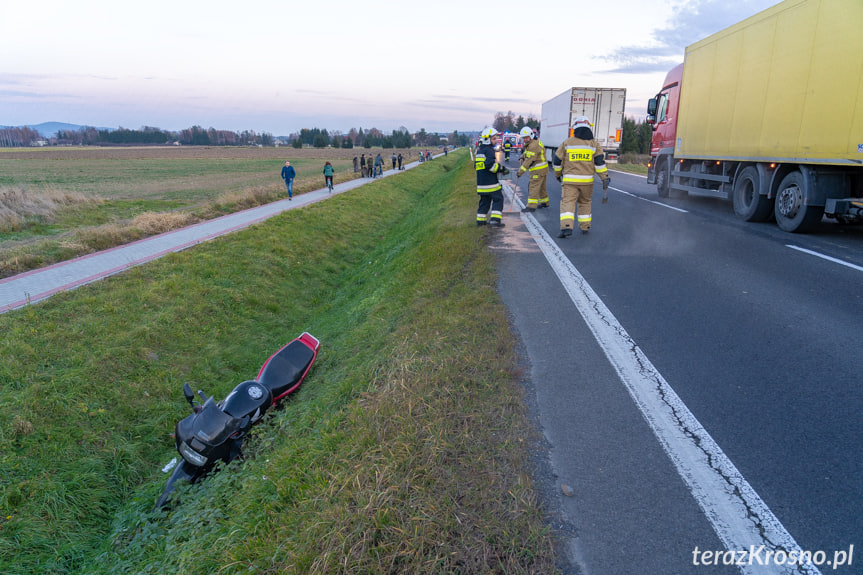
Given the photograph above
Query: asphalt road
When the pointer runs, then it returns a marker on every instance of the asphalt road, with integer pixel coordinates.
(697, 382)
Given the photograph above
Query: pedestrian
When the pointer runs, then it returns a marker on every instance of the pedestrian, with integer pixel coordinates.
(445, 151)
(394, 160)
(288, 174)
(379, 165)
(363, 164)
(534, 164)
(576, 162)
(328, 176)
(400, 161)
(355, 164)
(507, 147)
(487, 184)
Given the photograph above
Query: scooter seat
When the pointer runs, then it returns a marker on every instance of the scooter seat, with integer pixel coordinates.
(285, 369)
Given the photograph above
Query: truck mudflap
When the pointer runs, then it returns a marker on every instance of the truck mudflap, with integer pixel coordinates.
(845, 210)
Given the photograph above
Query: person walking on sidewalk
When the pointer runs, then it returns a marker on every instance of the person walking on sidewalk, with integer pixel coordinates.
(379, 165)
(400, 161)
(288, 174)
(575, 162)
(487, 184)
(534, 164)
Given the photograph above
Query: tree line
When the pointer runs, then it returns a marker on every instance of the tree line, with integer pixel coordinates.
(373, 138)
(635, 138)
(198, 136)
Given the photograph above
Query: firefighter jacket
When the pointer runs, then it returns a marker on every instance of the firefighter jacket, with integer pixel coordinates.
(534, 159)
(576, 160)
(487, 170)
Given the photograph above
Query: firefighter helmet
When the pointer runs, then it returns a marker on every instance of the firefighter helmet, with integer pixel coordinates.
(487, 134)
(526, 132)
(581, 122)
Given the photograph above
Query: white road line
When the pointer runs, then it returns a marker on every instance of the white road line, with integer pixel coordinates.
(651, 201)
(825, 257)
(737, 514)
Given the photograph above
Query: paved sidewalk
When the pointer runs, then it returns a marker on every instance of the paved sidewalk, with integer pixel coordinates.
(33, 286)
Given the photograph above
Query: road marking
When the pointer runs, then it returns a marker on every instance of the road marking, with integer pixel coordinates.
(736, 512)
(825, 257)
(651, 201)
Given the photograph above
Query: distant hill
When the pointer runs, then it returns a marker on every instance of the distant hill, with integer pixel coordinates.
(50, 129)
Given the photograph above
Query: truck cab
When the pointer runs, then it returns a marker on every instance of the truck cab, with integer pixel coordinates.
(662, 115)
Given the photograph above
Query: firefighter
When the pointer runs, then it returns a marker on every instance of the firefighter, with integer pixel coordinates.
(576, 161)
(507, 147)
(487, 185)
(533, 162)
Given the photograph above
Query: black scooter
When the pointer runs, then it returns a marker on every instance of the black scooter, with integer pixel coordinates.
(215, 431)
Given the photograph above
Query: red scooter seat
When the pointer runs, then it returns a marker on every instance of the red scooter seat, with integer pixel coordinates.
(286, 369)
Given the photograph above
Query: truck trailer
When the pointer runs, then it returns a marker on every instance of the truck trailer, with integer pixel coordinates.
(768, 113)
(604, 107)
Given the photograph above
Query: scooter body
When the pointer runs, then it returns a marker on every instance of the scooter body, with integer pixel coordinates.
(215, 430)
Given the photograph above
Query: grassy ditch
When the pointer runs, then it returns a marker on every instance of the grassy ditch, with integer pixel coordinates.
(406, 450)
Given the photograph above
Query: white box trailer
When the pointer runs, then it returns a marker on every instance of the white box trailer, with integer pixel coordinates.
(604, 107)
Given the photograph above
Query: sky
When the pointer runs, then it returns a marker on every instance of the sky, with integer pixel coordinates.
(278, 66)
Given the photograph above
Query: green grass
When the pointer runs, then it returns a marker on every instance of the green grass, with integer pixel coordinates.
(406, 450)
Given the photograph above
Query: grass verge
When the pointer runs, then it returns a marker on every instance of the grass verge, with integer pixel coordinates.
(405, 451)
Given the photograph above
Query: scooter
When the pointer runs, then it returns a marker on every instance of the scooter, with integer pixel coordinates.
(214, 431)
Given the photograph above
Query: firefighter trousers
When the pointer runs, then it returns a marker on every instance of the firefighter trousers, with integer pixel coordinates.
(537, 196)
(575, 201)
(490, 207)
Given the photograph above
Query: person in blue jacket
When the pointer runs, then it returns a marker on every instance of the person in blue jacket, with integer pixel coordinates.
(288, 174)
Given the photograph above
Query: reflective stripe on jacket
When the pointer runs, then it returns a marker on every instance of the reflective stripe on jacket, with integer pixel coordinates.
(580, 160)
(534, 159)
(487, 169)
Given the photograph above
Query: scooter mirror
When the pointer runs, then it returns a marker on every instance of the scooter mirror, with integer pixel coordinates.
(187, 393)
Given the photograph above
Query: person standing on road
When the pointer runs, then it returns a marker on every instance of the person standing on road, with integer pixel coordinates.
(507, 147)
(288, 174)
(487, 184)
(328, 175)
(576, 161)
(400, 161)
(534, 164)
(395, 159)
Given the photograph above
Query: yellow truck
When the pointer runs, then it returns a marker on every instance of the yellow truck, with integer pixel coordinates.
(769, 113)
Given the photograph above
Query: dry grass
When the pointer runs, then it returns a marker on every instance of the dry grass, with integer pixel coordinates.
(20, 205)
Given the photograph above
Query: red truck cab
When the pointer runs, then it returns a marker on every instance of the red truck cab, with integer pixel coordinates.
(662, 114)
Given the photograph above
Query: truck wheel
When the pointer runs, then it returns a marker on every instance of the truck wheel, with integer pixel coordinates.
(749, 205)
(662, 180)
(792, 213)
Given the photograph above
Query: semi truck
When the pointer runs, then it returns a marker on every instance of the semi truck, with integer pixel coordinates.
(769, 114)
(604, 107)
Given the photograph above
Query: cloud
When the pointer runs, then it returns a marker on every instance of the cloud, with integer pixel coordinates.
(691, 21)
